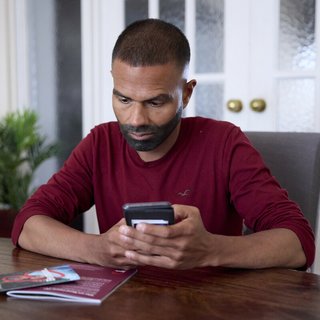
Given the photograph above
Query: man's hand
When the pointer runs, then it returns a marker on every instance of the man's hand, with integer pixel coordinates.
(45, 235)
(112, 248)
(183, 245)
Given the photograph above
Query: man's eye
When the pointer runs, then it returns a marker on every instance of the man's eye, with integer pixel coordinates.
(123, 100)
(155, 104)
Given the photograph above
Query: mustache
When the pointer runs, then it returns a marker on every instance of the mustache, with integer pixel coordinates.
(139, 129)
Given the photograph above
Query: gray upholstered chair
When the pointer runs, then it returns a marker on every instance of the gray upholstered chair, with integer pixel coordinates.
(294, 159)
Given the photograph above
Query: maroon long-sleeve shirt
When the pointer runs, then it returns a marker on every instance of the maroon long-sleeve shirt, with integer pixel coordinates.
(211, 166)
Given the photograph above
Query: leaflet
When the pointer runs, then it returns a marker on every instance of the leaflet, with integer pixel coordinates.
(73, 283)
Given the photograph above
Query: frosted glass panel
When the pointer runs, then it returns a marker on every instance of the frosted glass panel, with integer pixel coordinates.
(209, 36)
(297, 35)
(209, 100)
(296, 105)
(173, 11)
(135, 10)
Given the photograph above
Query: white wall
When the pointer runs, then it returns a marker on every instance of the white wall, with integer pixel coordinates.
(7, 58)
(14, 73)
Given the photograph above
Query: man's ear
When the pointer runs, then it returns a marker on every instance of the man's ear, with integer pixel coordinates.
(187, 91)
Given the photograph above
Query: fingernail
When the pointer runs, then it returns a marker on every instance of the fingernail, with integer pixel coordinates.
(140, 226)
(129, 254)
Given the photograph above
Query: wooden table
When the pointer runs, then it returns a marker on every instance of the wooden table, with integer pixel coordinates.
(207, 293)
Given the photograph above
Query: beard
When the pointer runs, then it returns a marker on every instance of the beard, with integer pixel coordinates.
(159, 133)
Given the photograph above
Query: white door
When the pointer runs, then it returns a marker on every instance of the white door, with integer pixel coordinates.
(278, 64)
(243, 52)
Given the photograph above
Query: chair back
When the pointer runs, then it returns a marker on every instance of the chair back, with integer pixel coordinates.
(294, 159)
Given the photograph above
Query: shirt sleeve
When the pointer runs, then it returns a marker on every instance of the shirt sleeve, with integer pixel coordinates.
(68, 193)
(258, 197)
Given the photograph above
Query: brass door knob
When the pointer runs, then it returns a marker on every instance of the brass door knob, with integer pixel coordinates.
(258, 105)
(234, 105)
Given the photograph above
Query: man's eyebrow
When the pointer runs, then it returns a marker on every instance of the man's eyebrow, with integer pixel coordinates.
(118, 93)
(162, 96)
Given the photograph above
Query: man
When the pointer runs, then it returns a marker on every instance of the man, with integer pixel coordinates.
(206, 168)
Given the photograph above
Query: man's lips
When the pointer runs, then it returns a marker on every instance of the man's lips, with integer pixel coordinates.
(141, 135)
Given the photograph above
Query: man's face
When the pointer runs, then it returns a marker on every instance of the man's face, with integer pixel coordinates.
(148, 103)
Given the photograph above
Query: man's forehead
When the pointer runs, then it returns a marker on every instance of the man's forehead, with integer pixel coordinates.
(143, 83)
(169, 70)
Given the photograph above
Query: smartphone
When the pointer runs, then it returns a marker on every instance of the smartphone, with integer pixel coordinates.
(160, 213)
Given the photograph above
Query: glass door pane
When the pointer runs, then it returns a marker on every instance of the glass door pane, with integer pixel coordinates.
(296, 85)
(209, 100)
(209, 58)
(297, 49)
(173, 11)
(209, 46)
(135, 10)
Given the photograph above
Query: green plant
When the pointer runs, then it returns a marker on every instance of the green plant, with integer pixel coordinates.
(22, 150)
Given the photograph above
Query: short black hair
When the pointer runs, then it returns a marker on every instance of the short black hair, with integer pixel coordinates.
(152, 42)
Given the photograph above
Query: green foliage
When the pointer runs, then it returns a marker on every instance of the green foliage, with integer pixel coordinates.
(22, 150)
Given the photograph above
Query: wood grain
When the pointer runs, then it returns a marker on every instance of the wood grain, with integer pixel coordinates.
(206, 293)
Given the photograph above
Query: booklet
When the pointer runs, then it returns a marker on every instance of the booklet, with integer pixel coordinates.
(36, 278)
(95, 284)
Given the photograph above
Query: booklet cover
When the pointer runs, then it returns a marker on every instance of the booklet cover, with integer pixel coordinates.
(36, 278)
(96, 283)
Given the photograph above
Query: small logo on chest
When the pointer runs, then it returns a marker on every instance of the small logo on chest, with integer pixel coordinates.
(185, 193)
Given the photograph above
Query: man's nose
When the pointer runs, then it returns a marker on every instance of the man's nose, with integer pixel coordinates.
(139, 115)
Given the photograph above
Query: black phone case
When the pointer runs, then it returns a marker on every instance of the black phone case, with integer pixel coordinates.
(151, 211)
